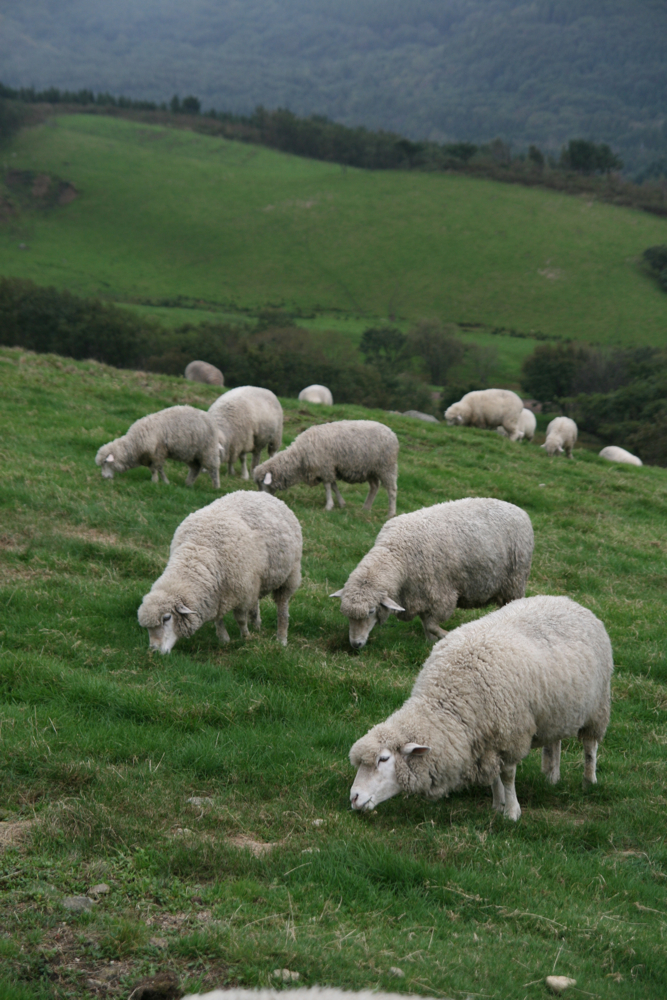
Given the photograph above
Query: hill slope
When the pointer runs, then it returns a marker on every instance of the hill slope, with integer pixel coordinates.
(161, 776)
(163, 213)
(542, 72)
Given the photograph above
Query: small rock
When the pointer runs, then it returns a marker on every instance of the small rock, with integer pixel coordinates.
(99, 890)
(199, 800)
(418, 415)
(286, 975)
(23, 246)
(559, 983)
(92, 984)
(311, 850)
(318, 822)
(158, 942)
(78, 904)
(396, 972)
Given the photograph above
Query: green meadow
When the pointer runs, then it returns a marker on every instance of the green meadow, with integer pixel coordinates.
(105, 747)
(164, 213)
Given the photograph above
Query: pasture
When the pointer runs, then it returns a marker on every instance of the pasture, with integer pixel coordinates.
(105, 747)
(163, 213)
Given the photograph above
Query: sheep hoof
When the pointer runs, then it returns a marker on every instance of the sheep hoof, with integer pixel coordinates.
(587, 783)
(512, 812)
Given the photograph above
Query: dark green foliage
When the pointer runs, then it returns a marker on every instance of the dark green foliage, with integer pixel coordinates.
(587, 158)
(656, 258)
(438, 349)
(382, 346)
(548, 373)
(12, 116)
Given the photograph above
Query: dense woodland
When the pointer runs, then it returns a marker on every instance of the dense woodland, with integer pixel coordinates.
(469, 70)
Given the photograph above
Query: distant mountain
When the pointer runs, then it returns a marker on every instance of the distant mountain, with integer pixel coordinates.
(534, 72)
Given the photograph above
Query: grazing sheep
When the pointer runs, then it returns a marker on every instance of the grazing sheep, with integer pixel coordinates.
(464, 553)
(355, 451)
(614, 454)
(225, 557)
(561, 436)
(248, 419)
(316, 394)
(488, 408)
(201, 371)
(527, 425)
(418, 415)
(529, 675)
(181, 433)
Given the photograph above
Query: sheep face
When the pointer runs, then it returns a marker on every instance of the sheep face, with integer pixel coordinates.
(107, 459)
(377, 782)
(363, 618)
(266, 482)
(453, 415)
(166, 620)
(552, 447)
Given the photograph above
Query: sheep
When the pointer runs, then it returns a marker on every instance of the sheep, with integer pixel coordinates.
(316, 394)
(561, 436)
(614, 454)
(182, 433)
(527, 425)
(488, 408)
(355, 451)
(303, 993)
(529, 675)
(225, 557)
(248, 418)
(201, 371)
(463, 553)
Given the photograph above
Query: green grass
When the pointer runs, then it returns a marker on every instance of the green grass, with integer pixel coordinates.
(103, 744)
(165, 212)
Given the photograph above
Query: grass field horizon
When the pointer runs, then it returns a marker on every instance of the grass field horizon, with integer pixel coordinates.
(105, 746)
(164, 213)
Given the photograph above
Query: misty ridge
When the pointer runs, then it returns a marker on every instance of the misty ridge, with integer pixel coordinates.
(467, 70)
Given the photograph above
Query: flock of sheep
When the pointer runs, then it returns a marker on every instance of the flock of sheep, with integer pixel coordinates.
(534, 672)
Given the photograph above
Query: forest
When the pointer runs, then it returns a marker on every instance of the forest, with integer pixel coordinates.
(469, 70)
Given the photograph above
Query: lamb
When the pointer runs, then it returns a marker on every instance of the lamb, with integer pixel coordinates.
(182, 433)
(201, 371)
(249, 419)
(355, 451)
(225, 557)
(464, 553)
(561, 436)
(614, 454)
(527, 425)
(529, 675)
(316, 394)
(488, 408)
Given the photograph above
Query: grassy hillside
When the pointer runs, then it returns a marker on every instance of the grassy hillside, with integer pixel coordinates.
(104, 745)
(164, 213)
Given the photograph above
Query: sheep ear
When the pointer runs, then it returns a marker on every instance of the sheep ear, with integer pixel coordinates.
(392, 605)
(109, 458)
(183, 610)
(414, 750)
(339, 593)
(268, 479)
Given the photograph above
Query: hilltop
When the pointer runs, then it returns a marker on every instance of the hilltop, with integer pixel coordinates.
(165, 215)
(209, 789)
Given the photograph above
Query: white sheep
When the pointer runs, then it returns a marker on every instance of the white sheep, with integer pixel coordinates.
(614, 454)
(249, 419)
(527, 425)
(182, 433)
(464, 553)
(488, 408)
(355, 451)
(534, 673)
(225, 557)
(202, 371)
(305, 993)
(316, 394)
(561, 437)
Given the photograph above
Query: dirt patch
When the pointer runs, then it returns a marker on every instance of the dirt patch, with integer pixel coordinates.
(256, 847)
(13, 834)
(40, 190)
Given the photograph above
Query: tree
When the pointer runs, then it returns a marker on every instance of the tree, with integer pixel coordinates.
(382, 346)
(436, 347)
(547, 374)
(191, 105)
(586, 158)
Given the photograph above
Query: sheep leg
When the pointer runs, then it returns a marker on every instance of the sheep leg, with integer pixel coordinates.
(282, 607)
(230, 465)
(432, 630)
(498, 795)
(195, 469)
(244, 466)
(390, 484)
(221, 631)
(242, 622)
(329, 505)
(215, 478)
(507, 776)
(551, 762)
(256, 455)
(341, 502)
(374, 486)
(163, 476)
(590, 759)
(255, 617)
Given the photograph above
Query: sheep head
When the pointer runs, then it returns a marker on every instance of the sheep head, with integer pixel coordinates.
(167, 619)
(364, 610)
(383, 770)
